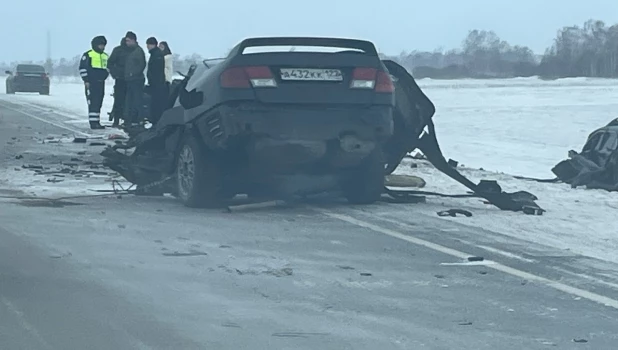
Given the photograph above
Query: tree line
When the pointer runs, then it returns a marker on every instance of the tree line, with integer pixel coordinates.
(590, 50)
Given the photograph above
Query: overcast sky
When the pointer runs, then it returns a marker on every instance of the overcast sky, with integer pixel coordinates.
(211, 27)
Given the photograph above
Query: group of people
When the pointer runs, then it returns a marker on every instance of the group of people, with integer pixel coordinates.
(126, 65)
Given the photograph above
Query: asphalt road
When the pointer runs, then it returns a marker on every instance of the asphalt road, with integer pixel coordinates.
(147, 273)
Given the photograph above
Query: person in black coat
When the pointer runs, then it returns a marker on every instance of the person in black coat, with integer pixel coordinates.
(157, 85)
(135, 64)
(115, 65)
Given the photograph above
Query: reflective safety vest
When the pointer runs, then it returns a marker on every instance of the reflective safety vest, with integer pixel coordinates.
(98, 60)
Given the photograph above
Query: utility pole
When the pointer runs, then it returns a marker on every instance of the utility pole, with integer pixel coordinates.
(48, 61)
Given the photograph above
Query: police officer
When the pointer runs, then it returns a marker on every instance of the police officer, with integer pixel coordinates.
(93, 70)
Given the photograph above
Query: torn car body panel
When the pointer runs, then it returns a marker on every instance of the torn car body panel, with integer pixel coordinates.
(596, 166)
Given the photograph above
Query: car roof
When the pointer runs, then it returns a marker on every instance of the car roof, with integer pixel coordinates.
(26, 66)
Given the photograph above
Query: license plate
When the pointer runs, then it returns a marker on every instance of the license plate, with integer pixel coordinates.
(310, 74)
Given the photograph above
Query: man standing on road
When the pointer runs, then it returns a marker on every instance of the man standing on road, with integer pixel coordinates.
(115, 65)
(93, 70)
(134, 77)
(156, 80)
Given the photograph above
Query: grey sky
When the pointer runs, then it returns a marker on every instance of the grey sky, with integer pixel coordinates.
(211, 27)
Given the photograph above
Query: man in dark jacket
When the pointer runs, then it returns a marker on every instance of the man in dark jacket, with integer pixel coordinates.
(115, 65)
(157, 85)
(134, 77)
(93, 70)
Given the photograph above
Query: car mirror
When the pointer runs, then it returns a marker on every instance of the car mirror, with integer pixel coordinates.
(8, 72)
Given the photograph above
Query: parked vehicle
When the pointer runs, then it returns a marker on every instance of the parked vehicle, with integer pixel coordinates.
(28, 78)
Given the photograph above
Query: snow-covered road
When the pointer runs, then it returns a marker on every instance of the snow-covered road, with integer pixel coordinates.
(361, 278)
(508, 127)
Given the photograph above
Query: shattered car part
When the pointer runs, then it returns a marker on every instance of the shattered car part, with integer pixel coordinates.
(596, 167)
(263, 123)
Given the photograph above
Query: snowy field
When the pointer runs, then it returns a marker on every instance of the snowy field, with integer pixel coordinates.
(506, 127)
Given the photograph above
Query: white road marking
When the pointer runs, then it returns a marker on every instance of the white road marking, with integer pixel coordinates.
(58, 125)
(52, 110)
(23, 322)
(470, 263)
(590, 278)
(597, 298)
(502, 252)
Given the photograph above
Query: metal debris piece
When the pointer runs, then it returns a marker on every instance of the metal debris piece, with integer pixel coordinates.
(192, 253)
(454, 212)
(259, 205)
(27, 166)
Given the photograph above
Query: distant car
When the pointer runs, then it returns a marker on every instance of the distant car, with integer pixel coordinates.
(28, 78)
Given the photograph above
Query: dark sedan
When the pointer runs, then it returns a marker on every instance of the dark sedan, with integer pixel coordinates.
(28, 78)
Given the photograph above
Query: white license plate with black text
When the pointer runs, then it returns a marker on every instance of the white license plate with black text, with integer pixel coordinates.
(311, 74)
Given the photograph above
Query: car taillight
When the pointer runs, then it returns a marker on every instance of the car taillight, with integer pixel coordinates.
(246, 77)
(45, 76)
(384, 83)
(371, 78)
(364, 78)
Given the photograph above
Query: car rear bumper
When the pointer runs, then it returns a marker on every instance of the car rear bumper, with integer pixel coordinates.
(289, 136)
(30, 86)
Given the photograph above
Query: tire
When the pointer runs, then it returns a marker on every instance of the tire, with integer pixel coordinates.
(364, 184)
(45, 91)
(198, 175)
(9, 90)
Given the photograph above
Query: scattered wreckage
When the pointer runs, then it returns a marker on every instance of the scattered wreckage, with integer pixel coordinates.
(292, 123)
(596, 166)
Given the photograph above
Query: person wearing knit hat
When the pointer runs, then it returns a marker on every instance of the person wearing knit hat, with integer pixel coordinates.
(135, 80)
(93, 70)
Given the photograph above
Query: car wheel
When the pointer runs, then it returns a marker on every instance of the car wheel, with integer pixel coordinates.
(198, 176)
(364, 184)
(9, 90)
(45, 91)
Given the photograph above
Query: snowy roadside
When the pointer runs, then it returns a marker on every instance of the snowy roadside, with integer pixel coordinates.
(578, 220)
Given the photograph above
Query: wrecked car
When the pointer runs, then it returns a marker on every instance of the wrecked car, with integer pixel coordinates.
(596, 166)
(272, 122)
(288, 123)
